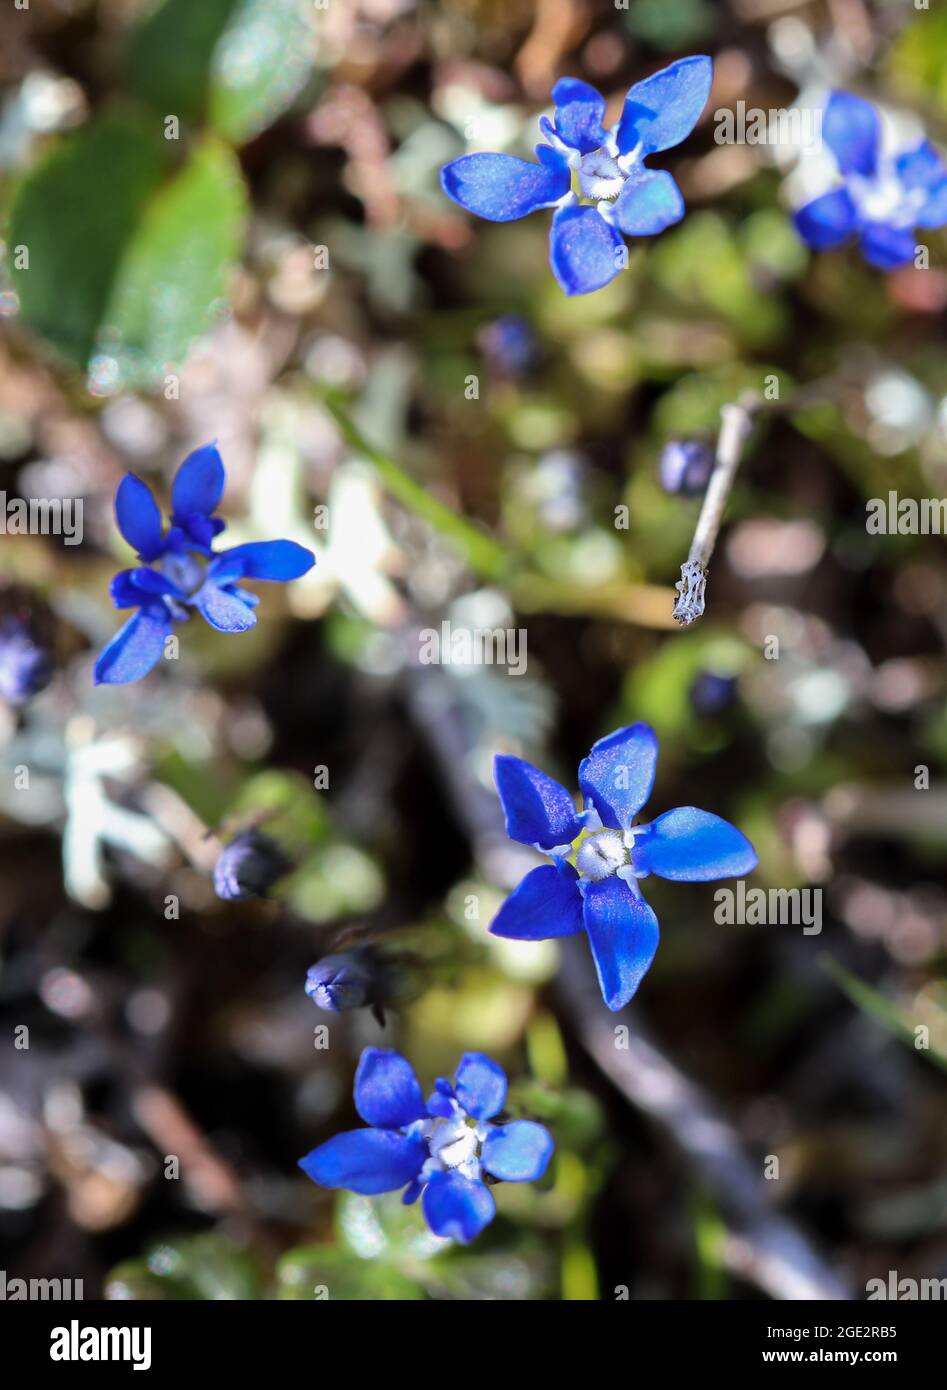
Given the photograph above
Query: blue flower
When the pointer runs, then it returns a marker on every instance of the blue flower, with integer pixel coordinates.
(596, 179)
(601, 893)
(441, 1147)
(180, 570)
(881, 198)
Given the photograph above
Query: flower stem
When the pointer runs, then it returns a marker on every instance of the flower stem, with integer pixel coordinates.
(485, 556)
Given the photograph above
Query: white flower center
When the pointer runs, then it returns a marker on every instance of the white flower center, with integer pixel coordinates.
(883, 198)
(601, 855)
(600, 176)
(454, 1145)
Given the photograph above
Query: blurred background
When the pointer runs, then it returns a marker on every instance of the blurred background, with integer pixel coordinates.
(235, 230)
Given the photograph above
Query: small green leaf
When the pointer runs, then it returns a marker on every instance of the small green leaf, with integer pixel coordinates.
(125, 270)
(323, 1272)
(871, 1001)
(74, 213)
(170, 53)
(260, 64)
(173, 273)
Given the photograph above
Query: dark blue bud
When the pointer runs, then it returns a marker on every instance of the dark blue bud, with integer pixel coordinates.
(711, 692)
(509, 345)
(248, 866)
(340, 982)
(26, 668)
(685, 466)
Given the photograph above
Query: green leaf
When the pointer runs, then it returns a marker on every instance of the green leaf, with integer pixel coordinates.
(170, 54)
(207, 1266)
(881, 1009)
(173, 273)
(237, 64)
(260, 64)
(125, 269)
(325, 1272)
(75, 212)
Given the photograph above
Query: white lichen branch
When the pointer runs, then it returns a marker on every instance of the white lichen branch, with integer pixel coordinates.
(736, 421)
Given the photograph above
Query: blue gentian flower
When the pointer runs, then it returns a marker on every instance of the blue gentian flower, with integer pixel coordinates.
(180, 570)
(880, 198)
(441, 1147)
(26, 667)
(596, 179)
(601, 893)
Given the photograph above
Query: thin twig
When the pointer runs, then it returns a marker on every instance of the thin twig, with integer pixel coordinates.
(736, 420)
(763, 1247)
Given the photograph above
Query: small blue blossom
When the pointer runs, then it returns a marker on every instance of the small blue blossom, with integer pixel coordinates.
(601, 893)
(180, 570)
(440, 1148)
(596, 179)
(26, 667)
(881, 198)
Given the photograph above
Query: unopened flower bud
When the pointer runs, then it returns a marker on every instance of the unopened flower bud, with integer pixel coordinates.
(248, 866)
(340, 982)
(711, 692)
(26, 667)
(685, 466)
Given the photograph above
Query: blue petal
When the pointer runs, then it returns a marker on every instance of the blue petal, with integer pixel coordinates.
(851, 129)
(538, 810)
(663, 110)
(387, 1092)
(456, 1208)
(518, 1152)
(138, 517)
(130, 588)
(579, 112)
(501, 187)
(923, 168)
(827, 221)
(693, 846)
(934, 211)
(222, 609)
(547, 903)
(886, 247)
(198, 484)
(623, 935)
(920, 167)
(617, 776)
(135, 647)
(480, 1085)
(649, 202)
(278, 560)
(584, 251)
(366, 1160)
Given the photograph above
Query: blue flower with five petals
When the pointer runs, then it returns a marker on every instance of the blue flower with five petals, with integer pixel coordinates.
(601, 892)
(180, 570)
(440, 1148)
(881, 198)
(596, 179)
